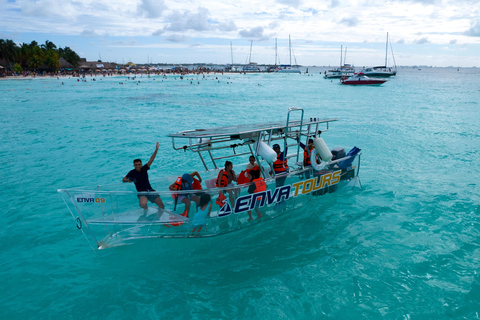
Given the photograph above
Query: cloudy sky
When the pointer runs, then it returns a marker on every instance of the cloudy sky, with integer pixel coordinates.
(422, 32)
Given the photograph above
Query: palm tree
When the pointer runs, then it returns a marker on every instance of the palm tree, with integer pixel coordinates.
(69, 55)
(9, 52)
(24, 54)
(48, 46)
(51, 59)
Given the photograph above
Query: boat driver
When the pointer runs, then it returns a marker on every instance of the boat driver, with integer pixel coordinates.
(139, 176)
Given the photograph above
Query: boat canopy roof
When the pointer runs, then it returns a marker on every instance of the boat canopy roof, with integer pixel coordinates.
(245, 131)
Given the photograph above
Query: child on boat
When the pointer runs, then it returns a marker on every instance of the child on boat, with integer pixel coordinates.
(204, 210)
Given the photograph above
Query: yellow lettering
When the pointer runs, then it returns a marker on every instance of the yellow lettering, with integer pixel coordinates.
(97, 199)
(326, 179)
(297, 187)
(336, 177)
(308, 183)
(317, 184)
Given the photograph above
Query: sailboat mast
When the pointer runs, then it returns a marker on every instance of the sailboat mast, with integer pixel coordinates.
(386, 51)
(275, 51)
(290, 49)
(231, 52)
(341, 54)
(345, 56)
(250, 58)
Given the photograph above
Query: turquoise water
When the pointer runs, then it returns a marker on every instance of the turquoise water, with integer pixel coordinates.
(407, 246)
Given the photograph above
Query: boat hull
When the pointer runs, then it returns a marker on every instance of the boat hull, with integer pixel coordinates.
(113, 218)
(363, 82)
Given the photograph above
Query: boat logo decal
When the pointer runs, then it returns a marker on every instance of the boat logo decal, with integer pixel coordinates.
(260, 199)
(225, 210)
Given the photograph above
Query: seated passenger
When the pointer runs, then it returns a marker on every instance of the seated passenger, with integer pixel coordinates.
(185, 182)
(200, 218)
(224, 179)
(258, 185)
(244, 176)
(251, 163)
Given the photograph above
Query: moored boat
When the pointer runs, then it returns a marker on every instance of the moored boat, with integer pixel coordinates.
(382, 71)
(109, 215)
(361, 79)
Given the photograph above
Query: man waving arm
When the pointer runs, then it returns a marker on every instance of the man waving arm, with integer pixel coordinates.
(149, 163)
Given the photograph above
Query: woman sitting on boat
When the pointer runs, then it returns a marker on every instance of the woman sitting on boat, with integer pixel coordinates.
(224, 179)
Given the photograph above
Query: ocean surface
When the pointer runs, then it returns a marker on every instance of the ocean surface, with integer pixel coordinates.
(406, 246)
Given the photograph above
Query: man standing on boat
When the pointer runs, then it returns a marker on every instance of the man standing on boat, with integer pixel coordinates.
(139, 176)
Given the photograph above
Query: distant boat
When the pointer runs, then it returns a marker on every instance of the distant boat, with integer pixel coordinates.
(382, 71)
(362, 79)
(288, 67)
(251, 66)
(345, 69)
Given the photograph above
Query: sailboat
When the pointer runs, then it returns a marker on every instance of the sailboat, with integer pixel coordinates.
(345, 69)
(288, 68)
(251, 66)
(382, 71)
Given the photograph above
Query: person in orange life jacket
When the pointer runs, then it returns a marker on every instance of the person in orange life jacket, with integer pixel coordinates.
(139, 176)
(306, 154)
(185, 182)
(225, 178)
(280, 165)
(258, 185)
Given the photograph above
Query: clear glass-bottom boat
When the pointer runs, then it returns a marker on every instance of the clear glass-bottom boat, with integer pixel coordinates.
(110, 215)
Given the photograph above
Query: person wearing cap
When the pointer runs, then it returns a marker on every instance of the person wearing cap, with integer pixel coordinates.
(139, 176)
(185, 182)
(280, 165)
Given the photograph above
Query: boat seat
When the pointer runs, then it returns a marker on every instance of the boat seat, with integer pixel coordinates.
(210, 183)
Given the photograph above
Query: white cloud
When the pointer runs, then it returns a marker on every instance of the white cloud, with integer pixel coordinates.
(474, 30)
(227, 26)
(349, 21)
(158, 32)
(422, 40)
(189, 21)
(291, 3)
(151, 8)
(254, 33)
(88, 33)
(176, 38)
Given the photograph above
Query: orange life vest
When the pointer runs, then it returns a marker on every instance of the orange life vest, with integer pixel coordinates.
(243, 177)
(278, 165)
(178, 186)
(196, 185)
(260, 185)
(224, 182)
